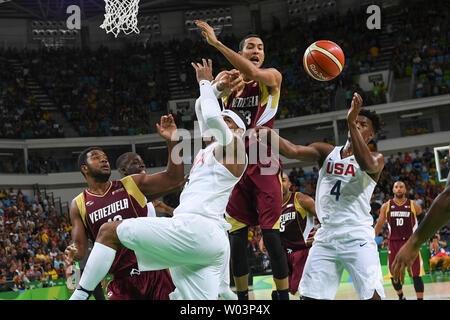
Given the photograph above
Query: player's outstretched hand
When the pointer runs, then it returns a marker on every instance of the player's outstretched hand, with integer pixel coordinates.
(203, 71)
(404, 259)
(355, 107)
(70, 252)
(207, 32)
(167, 127)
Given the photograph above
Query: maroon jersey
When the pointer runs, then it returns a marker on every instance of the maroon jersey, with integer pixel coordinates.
(295, 224)
(255, 103)
(122, 200)
(402, 220)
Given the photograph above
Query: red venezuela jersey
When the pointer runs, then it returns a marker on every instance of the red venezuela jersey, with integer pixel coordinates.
(402, 220)
(122, 200)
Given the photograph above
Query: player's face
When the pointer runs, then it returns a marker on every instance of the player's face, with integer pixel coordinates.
(364, 125)
(98, 166)
(399, 189)
(232, 125)
(285, 183)
(135, 165)
(254, 51)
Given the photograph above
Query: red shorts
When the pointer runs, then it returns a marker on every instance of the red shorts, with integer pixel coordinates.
(393, 247)
(256, 199)
(296, 262)
(148, 285)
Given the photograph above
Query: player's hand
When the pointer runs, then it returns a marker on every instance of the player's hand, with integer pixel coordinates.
(404, 259)
(355, 108)
(263, 133)
(207, 32)
(203, 71)
(167, 127)
(70, 252)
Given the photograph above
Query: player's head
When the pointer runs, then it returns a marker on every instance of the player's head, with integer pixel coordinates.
(285, 183)
(368, 123)
(130, 163)
(235, 121)
(252, 48)
(399, 189)
(94, 163)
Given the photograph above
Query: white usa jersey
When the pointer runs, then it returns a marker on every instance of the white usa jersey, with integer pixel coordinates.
(343, 192)
(208, 188)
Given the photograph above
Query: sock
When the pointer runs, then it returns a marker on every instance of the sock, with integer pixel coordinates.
(283, 294)
(97, 266)
(419, 298)
(242, 295)
(275, 295)
(400, 296)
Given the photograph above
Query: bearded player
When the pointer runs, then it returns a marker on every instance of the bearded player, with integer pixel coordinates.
(401, 215)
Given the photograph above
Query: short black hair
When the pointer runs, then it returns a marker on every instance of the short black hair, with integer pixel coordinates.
(82, 158)
(251, 35)
(373, 117)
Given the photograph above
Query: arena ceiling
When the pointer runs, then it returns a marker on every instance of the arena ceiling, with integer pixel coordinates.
(56, 9)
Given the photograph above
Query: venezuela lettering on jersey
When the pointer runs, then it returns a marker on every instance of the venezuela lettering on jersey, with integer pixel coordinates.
(109, 210)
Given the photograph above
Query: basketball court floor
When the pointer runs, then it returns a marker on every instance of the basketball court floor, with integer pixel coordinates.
(437, 287)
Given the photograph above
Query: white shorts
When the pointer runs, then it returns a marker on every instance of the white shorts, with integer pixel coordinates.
(335, 250)
(193, 247)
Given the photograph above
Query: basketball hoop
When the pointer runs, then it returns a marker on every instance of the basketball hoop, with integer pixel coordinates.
(121, 15)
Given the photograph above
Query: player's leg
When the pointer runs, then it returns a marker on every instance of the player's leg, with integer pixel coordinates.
(361, 259)
(268, 194)
(393, 247)
(239, 261)
(224, 288)
(419, 287)
(322, 273)
(100, 260)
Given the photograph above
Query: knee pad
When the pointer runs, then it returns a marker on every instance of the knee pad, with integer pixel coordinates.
(397, 285)
(418, 284)
(277, 257)
(238, 244)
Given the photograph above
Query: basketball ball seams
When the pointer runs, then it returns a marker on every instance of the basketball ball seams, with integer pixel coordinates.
(316, 60)
(321, 69)
(305, 64)
(329, 54)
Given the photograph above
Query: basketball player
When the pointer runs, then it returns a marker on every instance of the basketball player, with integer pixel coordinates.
(193, 244)
(128, 282)
(296, 231)
(437, 216)
(106, 200)
(131, 163)
(256, 199)
(347, 177)
(400, 214)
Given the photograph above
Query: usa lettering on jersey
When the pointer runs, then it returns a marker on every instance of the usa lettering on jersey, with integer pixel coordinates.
(109, 210)
(340, 169)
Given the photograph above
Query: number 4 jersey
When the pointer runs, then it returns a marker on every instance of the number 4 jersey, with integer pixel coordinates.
(343, 192)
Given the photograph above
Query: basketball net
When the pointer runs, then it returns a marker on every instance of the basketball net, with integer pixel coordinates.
(121, 15)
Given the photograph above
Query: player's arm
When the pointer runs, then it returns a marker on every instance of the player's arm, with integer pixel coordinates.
(307, 202)
(381, 219)
(315, 152)
(371, 162)
(78, 249)
(271, 77)
(227, 82)
(158, 183)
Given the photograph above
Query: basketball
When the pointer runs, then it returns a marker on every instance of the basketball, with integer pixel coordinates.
(323, 60)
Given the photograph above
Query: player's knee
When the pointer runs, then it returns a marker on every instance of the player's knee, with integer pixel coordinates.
(238, 244)
(107, 234)
(396, 284)
(278, 260)
(418, 284)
